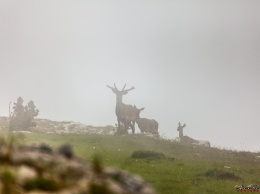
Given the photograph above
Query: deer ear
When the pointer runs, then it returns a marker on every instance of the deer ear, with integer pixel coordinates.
(179, 123)
(142, 109)
(184, 125)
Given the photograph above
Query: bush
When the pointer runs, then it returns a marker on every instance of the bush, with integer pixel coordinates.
(22, 116)
(147, 155)
(220, 174)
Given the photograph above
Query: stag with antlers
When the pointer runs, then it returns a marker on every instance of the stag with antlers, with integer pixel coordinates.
(125, 113)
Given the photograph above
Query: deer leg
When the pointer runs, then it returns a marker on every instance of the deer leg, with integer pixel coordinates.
(133, 127)
(119, 124)
(129, 124)
(126, 127)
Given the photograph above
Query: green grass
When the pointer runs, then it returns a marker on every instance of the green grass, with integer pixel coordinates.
(183, 169)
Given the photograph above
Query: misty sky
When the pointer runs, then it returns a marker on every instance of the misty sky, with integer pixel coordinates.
(197, 62)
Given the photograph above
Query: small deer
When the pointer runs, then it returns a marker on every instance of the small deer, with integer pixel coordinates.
(146, 125)
(185, 138)
(190, 140)
(125, 113)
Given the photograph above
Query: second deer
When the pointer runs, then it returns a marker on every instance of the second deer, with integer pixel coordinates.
(146, 125)
(187, 139)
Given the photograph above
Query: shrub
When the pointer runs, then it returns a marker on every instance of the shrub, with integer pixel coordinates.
(41, 183)
(22, 116)
(220, 174)
(147, 154)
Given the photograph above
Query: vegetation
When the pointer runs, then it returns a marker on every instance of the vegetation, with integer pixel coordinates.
(221, 174)
(147, 154)
(22, 116)
(184, 169)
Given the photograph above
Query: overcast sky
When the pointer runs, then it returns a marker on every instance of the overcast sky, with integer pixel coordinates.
(197, 62)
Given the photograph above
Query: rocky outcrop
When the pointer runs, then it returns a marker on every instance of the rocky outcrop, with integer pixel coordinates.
(42, 170)
(63, 127)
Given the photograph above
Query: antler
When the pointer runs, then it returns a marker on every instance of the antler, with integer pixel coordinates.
(129, 89)
(110, 87)
(123, 87)
(113, 89)
(123, 90)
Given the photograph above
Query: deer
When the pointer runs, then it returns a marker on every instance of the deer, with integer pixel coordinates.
(187, 139)
(144, 124)
(125, 113)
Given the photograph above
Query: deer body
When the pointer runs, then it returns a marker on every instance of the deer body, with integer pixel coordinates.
(146, 125)
(125, 113)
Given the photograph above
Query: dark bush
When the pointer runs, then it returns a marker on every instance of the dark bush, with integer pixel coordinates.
(22, 116)
(41, 184)
(220, 174)
(147, 155)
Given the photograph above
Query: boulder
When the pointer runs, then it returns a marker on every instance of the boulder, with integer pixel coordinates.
(38, 169)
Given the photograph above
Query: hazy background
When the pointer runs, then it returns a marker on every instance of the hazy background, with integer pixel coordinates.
(196, 62)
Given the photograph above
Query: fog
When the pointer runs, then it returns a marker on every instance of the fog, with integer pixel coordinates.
(196, 62)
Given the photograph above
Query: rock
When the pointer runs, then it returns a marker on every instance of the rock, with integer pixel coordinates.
(25, 173)
(32, 169)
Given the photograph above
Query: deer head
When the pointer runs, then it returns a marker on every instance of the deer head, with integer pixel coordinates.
(120, 93)
(137, 112)
(180, 127)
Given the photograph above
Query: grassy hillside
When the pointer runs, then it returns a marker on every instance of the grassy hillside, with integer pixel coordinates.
(185, 168)
(171, 167)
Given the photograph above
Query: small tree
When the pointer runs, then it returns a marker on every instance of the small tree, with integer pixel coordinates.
(22, 116)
